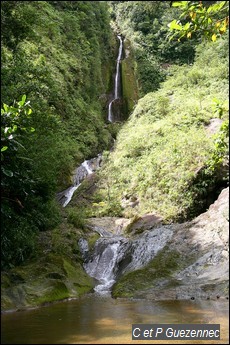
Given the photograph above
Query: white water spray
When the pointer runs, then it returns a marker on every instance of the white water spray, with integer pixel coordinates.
(85, 164)
(85, 169)
(117, 80)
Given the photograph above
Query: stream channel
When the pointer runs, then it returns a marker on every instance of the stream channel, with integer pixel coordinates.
(97, 318)
(88, 167)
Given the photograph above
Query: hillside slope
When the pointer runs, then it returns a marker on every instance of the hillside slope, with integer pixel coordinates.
(171, 157)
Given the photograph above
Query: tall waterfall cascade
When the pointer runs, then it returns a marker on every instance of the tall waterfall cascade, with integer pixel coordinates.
(88, 166)
(117, 81)
(113, 255)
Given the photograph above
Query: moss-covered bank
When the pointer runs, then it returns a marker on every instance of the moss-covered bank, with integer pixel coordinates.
(49, 279)
(54, 273)
(165, 263)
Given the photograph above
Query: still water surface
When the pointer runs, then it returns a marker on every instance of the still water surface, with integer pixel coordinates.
(102, 320)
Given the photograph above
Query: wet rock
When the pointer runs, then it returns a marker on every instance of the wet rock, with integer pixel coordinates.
(194, 261)
(84, 248)
(87, 168)
(115, 255)
(49, 279)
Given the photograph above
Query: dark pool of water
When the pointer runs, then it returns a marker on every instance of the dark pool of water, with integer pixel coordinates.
(103, 320)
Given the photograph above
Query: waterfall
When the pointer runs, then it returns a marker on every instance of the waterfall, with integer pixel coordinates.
(117, 78)
(69, 193)
(103, 264)
(104, 270)
(115, 255)
(117, 81)
(85, 164)
(85, 169)
(110, 111)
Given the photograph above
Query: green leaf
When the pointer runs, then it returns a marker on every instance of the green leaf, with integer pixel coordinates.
(186, 26)
(210, 9)
(174, 25)
(23, 99)
(4, 148)
(217, 7)
(5, 106)
(22, 102)
(179, 3)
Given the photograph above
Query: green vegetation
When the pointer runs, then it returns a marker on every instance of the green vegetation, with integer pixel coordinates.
(59, 55)
(164, 154)
(170, 157)
(164, 264)
(145, 25)
(209, 21)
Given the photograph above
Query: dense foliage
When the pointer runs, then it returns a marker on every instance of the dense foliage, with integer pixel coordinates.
(168, 159)
(58, 55)
(200, 18)
(145, 24)
(57, 66)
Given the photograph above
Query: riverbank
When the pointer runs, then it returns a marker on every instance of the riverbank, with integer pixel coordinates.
(191, 264)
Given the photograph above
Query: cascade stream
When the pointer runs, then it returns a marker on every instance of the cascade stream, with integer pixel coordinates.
(88, 167)
(112, 254)
(91, 165)
(117, 82)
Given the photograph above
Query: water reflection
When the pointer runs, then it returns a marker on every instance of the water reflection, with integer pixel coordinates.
(102, 320)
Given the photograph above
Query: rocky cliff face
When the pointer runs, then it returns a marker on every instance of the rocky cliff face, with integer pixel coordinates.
(193, 263)
(129, 86)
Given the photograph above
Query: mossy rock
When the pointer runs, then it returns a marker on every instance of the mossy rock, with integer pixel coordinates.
(49, 292)
(92, 240)
(52, 278)
(129, 84)
(54, 275)
(165, 263)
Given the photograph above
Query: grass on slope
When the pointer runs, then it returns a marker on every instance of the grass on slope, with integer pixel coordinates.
(165, 145)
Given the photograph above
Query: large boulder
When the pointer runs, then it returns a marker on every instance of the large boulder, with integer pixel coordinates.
(194, 263)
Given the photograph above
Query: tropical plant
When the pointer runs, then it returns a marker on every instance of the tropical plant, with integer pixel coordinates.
(209, 21)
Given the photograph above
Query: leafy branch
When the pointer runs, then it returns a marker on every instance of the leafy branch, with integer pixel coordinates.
(14, 121)
(211, 22)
